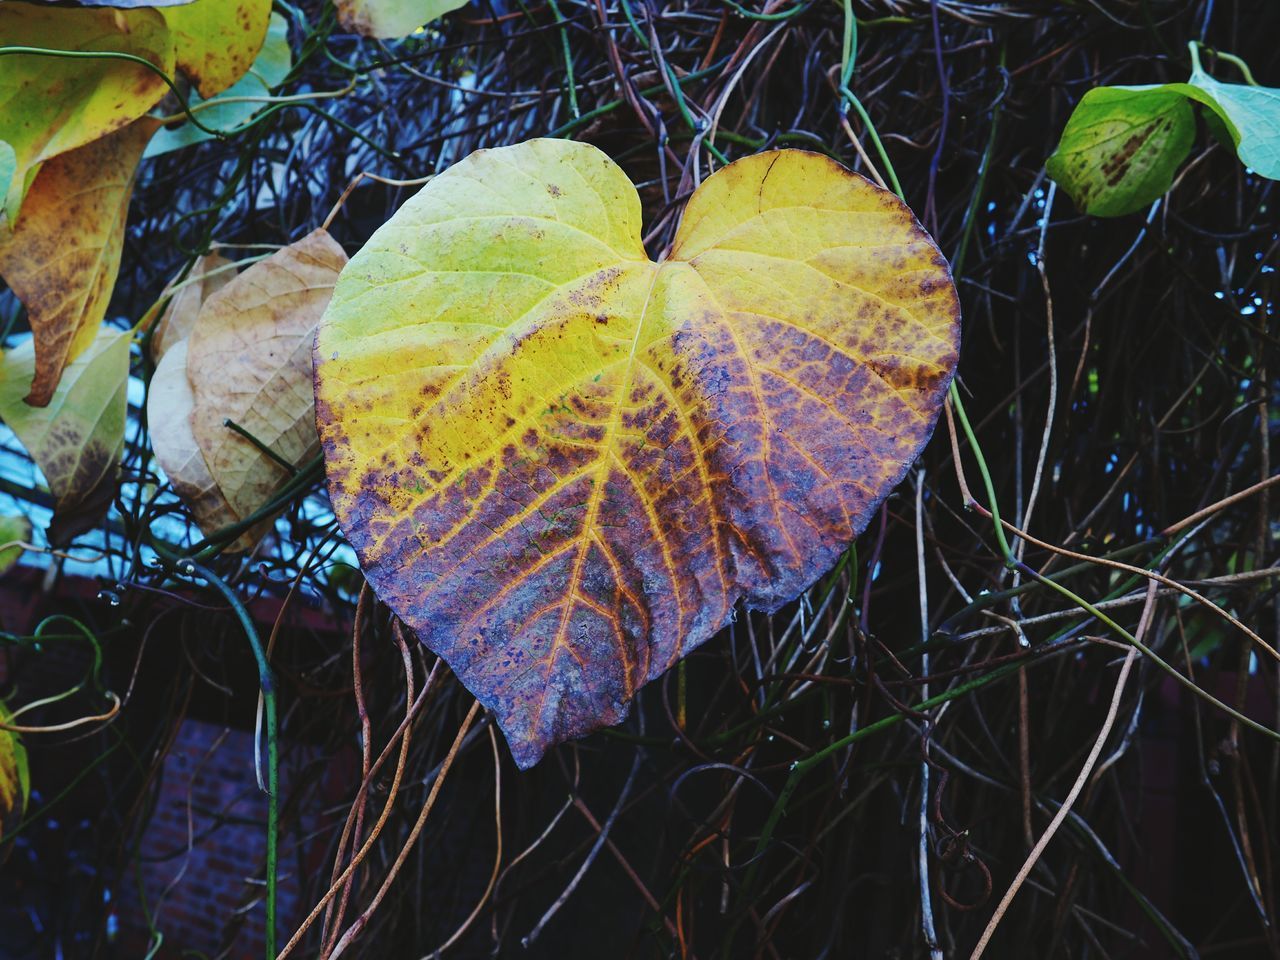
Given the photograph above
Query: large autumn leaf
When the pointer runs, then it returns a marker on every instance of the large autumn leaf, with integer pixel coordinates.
(249, 361)
(563, 464)
(217, 40)
(50, 105)
(62, 258)
(77, 439)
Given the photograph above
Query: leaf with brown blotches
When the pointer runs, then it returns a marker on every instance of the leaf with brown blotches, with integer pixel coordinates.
(76, 440)
(217, 40)
(207, 276)
(62, 257)
(249, 361)
(564, 465)
(391, 19)
(51, 105)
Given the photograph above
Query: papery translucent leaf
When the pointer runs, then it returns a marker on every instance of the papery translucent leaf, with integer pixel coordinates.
(249, 361)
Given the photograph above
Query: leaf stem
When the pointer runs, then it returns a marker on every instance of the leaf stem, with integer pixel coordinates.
(116, 55)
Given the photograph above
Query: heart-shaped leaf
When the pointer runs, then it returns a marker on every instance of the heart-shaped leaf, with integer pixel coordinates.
(50, 105)
(63, 256)
(563, 464)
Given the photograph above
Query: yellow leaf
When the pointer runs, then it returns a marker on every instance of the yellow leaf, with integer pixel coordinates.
(217, 40)
(62, 258)
(391, 19)
(564, 465)
(77, 439)
(15, 781)
(208, 275)
(14, 528)
(50, 105)
(249, 361)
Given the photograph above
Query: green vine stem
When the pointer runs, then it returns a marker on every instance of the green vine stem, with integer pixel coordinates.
(267, 683)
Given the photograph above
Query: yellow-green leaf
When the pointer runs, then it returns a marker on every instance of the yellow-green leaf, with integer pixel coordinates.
(249, 361)
(1121, 148)
(217, 40)
(207, 276)
(14, 529)
(62, 259)
(50, 105)
(15, 781)
(564, 465)
(77, 439)
(391, 19)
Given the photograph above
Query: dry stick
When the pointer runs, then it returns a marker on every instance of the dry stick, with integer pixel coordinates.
(366, 175)
(59, 727)
(332, 925)
(922, 853)
(401, 735)
(1076, 787)
(1017, 626)
(360, 922)
(590, 859)
(329, 927)
(1221, 504)
(1150, 575)
(497, 859)
(576, 801)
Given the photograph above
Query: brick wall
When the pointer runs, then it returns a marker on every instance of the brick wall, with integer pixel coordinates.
(209, 894)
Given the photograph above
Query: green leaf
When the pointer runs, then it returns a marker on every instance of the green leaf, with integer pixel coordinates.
(51, 105)
(77, 439)
(1251, 115)
(13, 528)
(1123, 145)
(227, 112)
(1121, 148)
(391, 19)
